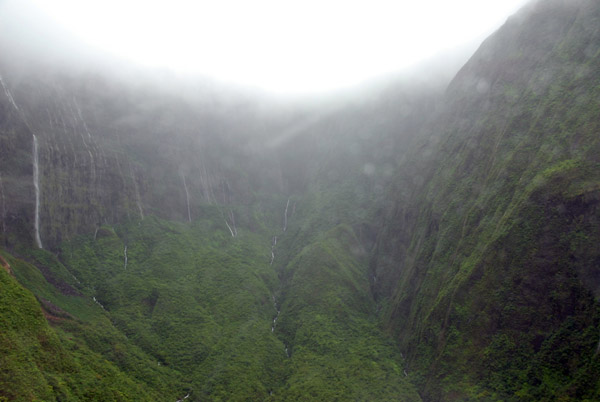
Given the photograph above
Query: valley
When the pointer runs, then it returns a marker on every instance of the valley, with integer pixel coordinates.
(184, 241)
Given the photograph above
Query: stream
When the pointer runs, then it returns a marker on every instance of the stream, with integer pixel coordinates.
(36, 185)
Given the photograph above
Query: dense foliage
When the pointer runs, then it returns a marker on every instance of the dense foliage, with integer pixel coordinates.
(498, 263)
(411, 246)
(187, 309)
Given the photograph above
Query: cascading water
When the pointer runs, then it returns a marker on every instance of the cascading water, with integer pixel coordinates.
(137, 193)
(187, 197)
(98, 303)
(36, 185)
(233, 230)
(275, 321)
(285, 215)
(76, 117)
(273, 244)
(229, 227)
(125, 256)
(232, 217)
(3, 206)
(276, 306)
(8, 94)
(277, 315)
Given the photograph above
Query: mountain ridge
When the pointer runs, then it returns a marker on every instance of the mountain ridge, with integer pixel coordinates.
(511, 146)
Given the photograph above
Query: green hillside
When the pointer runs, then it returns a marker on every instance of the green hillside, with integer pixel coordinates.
(199, 245)
(49, 354)
(496, 272)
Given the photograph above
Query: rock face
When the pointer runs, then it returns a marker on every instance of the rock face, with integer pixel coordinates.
(108, 153)
(110, 150)
(490, 261)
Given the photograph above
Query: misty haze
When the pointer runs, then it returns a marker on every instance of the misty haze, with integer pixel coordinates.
(328, 201)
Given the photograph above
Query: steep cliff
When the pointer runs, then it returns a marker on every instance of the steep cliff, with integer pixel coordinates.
(493, 259)
(111, 149)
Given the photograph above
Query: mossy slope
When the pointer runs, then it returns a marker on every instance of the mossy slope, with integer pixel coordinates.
(40, 362)
(488, 262)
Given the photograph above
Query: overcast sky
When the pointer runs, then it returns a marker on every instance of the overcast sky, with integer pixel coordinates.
(278, 45)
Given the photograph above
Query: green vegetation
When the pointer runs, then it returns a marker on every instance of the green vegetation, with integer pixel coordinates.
(497, 283)
(40, 362)
(194, 298)
(337, 351)
(192, 311)
(386, 251)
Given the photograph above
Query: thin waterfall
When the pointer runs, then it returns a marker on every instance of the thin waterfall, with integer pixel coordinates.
(98, 303)
(125, 255)
(36, 185)
(137, 193)
(184, 398)
(232, 217)
(8, 94)
(187, 197)
(229, 227)
(273, 244)
(275, 321)
(285, 215)
(276, 315)
(3, 206)
(78, 117)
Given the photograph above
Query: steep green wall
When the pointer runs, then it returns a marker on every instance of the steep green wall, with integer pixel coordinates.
(491, 259)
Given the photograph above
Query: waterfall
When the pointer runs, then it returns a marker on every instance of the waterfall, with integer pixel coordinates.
(233, 222)
(229, 227)
(185, 397)
(98, 303)
(3, 206)
(36, 185)
(232, 218)
(8, 94)
(205, 185)
(137, 192)
(273, 244)
(138, 199)
(276, 315)
(187, 197)
(125, 255)
(75, 118)
(285, 215)
(275, 321)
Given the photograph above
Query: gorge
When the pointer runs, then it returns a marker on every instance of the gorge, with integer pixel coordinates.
(195, 242)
